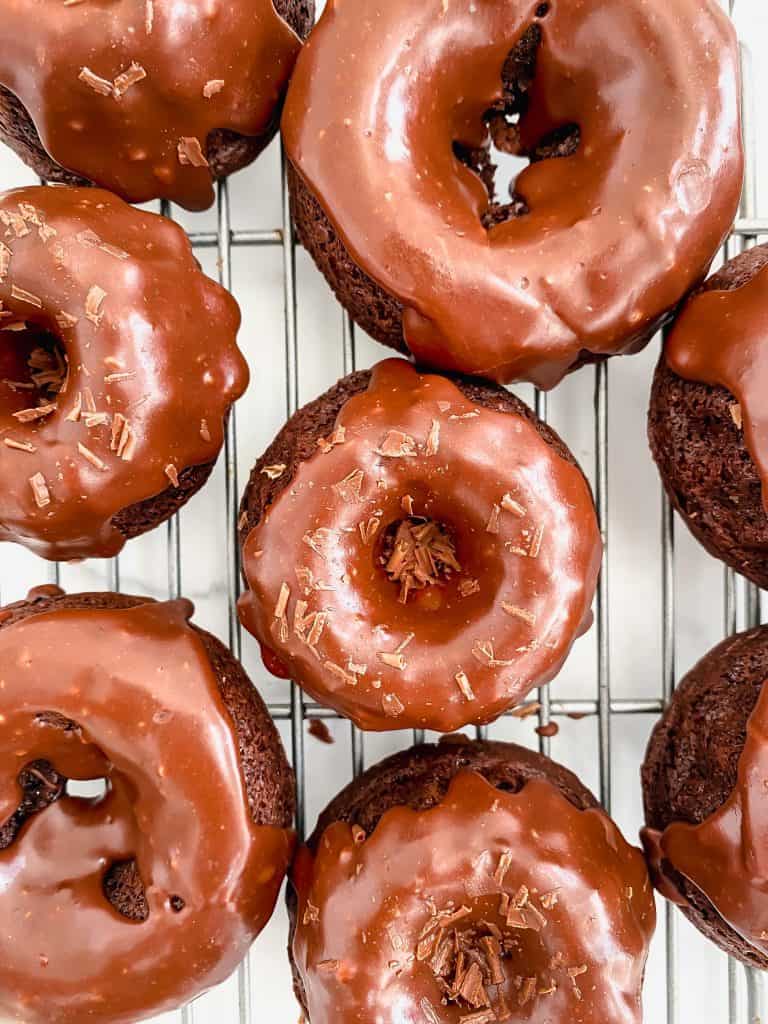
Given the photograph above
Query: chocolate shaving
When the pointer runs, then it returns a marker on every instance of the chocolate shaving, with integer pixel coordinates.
(505, 863)
(339, 436)
(428, 1010)
(482, 651)
(134, 73)
(40, 490)
(191, 152)
(463, 684)
(100, 85)
(74, 413)
(433, 439)
(65, 320)
(370, 529)
(93, 301)
(492, 526)
(527, 991)
(347, 676)
(397, 445)
(15, 223)
(172, 473)
(519, 613)
(273, 472)
(422, 552)
(535, 548)
(321, 541)
(19, 446)
(212, 87)
(22, 295)
(509, 504)
(468, 587)
(282, 601)
(391, 705)
(5, 260)
(349, 489)
(38, 413)
(89, 456)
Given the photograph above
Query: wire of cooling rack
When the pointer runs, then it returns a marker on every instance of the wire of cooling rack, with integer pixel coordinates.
(741, 601)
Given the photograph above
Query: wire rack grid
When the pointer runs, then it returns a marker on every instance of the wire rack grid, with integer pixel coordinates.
(745, 999)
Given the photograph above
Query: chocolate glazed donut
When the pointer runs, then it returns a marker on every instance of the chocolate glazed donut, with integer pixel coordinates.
(465, 884)
(706, 800)
(120, 907)
(386, 127)
(419, 551)
(118, 367)
(150, 99)
(707, 423)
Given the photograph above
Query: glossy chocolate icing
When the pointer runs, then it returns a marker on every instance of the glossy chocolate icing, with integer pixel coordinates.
(726, 856)
(152, 362)
(126, 92)
(568, 899)
(144, 712)
(462, 650)
(721, 338)
(615, 234)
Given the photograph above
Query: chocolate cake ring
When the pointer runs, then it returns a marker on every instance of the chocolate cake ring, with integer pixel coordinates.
(150, 99)
(133, 901)
(118, 368)
(419, 551)
(387, 125)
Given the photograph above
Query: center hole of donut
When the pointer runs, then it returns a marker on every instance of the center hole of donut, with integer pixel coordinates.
(504, 155)
(33, 370)
(92, 790)
(418, 554)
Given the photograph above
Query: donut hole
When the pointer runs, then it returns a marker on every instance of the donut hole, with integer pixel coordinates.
(418, 555)
(33, 372)
(93, 791)
(123, 888)
(500, 160)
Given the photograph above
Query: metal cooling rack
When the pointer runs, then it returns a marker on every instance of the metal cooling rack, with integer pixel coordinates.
(746, 995)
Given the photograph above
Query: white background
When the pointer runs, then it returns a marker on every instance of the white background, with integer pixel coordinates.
(634, 552)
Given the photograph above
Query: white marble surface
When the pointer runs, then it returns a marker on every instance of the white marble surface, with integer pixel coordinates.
(635, 561)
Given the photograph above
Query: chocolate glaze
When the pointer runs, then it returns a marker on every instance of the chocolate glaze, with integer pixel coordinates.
(463, 650)
(721, 338)
(149, 343)
(614, 235)
(142, 709)
(580, 918)
(725, 855)
(202, 66)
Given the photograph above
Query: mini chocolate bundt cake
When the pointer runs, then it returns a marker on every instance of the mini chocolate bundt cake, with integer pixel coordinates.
(419, 551)
(469, 882)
